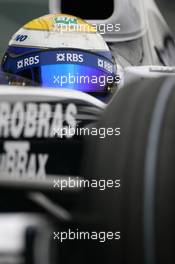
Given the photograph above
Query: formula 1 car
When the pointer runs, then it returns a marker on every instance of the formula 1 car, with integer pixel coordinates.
(105, 189)
(143, 42)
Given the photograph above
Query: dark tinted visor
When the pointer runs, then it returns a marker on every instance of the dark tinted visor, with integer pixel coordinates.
(64, 68)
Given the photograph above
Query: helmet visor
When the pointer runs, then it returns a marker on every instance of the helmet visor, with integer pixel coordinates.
(75, 69)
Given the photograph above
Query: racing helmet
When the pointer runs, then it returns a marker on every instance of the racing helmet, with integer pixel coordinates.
(62, 51)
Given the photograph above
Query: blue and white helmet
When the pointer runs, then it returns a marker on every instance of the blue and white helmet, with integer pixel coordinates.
(61, 51)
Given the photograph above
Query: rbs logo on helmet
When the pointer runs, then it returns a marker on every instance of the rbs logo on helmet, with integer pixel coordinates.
(21, 38)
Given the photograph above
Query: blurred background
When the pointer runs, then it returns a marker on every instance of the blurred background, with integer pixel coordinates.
(167, 8)
(15, 13)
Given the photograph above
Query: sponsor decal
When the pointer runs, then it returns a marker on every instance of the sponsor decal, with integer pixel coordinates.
(21, 38)
(70, 57)
(20, 122)
(105, 65)
(17, 161)
(45, 58)
(65, 20)
(35, 120)
(30, 61)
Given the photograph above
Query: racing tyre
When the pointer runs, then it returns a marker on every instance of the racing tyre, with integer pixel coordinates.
(143, 158)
